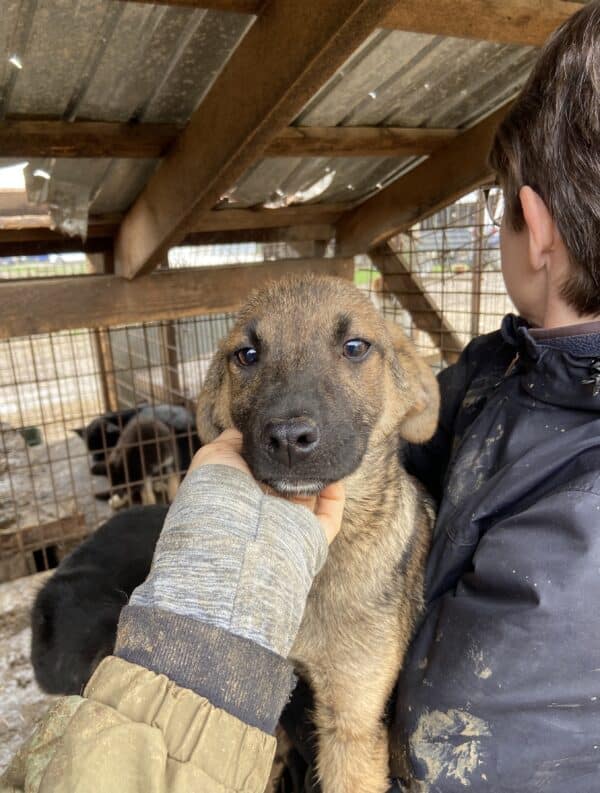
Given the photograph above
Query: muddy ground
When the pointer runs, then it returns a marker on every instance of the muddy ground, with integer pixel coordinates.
(22, 703)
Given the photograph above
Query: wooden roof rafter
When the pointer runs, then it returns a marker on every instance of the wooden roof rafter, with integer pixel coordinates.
(307, 222)
(33, 138)
(525, 22)
(240, 117)
(451, 172)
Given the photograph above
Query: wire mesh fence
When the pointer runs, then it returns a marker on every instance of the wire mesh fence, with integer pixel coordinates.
(93, 419)
(66, 402)
(442, 280)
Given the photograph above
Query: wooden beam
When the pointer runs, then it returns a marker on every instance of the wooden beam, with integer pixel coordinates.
(236, 6)
(55, 244)
(314, 233)
(26, 138)
(358, 142)
(256, 96)
(288, 224)
(448, 174)
(526, 22)
(397, 279)
(260, 218)
(50, 304)
(106, 367)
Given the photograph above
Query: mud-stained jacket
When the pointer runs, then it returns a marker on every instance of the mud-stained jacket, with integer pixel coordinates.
(136, 731)
(501, 688)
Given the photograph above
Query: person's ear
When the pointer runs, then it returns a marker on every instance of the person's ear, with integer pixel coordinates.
(543, 233)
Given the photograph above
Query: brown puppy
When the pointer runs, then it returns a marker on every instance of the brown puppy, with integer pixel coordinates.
(323, 390)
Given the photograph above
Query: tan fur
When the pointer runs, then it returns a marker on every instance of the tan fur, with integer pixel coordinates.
(362, 608)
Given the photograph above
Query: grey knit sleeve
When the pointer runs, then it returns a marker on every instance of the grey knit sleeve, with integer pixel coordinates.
(234, 558)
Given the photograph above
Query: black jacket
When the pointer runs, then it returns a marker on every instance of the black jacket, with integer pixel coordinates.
(501, 687)
(500, 691)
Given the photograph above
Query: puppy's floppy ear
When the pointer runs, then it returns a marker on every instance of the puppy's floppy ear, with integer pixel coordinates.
(419, 386)
(213, 411)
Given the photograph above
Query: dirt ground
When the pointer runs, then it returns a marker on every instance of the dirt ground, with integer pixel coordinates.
(22, 703)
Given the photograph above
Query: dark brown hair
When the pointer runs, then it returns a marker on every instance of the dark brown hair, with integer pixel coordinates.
(550, 140)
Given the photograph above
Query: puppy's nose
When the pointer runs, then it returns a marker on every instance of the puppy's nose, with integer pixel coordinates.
(291, 440)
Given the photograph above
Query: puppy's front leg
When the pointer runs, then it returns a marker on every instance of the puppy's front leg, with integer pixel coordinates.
(352, 739)
(351, 760)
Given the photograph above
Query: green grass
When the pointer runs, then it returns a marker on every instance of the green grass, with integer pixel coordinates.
(365, 276)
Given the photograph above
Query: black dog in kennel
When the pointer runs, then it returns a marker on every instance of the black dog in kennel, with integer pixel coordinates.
(75, 615)
(142, 451)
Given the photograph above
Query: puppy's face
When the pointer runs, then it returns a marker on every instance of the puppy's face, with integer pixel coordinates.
(311, 375)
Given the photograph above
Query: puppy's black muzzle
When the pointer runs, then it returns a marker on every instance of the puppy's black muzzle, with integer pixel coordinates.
(291, 441)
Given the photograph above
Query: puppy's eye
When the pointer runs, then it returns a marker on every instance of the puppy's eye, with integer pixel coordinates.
(356, 349)
(247, 356)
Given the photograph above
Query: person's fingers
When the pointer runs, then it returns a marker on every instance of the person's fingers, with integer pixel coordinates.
(309, 502)
(224, 450)
(231, 438)
(329, 509)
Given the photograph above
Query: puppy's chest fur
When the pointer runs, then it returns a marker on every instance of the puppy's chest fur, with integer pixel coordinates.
(369, 591)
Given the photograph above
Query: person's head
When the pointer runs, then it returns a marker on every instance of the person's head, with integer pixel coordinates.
(546, 154)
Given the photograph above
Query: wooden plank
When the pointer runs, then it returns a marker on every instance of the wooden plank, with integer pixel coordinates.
(50, 304)
(308, 233)
(52, 242)
(288, 224)
(358, 142)
(107, 369)
(526, 22)
(397, 279)
(26, 138)
(169, 355)
(235, 219)
(56, 244)
(235, 6)
(256, 96)
(214, 220)
(452, 171)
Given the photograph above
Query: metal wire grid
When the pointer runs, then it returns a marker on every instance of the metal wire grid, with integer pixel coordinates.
(43, 266)
(442, 280)
(54, 383)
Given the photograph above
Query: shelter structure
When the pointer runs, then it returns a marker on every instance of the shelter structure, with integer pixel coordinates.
(174, 154)
(161, 158)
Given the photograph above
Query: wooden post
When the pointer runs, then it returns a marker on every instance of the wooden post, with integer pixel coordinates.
(398, 279)
(106, 368)
(169, 355)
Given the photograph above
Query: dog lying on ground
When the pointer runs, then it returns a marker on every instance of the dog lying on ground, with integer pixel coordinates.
(144, 466)
(144, 457)
(75, 615)
(322, 390)
(102, 434)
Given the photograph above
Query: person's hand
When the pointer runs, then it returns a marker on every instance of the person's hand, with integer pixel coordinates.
(327, 506)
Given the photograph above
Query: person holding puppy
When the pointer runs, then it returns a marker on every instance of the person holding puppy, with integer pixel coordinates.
(500, 687)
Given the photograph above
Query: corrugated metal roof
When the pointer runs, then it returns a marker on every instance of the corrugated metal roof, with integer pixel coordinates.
(117, 61)
(396, 79)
